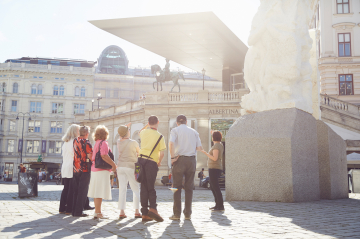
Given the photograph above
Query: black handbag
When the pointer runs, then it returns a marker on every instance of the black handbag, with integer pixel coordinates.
(99, 162)
(139, 171)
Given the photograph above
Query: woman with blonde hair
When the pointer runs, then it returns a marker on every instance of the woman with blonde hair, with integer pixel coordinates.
(66, 200)
(128, 155)
(99, 187)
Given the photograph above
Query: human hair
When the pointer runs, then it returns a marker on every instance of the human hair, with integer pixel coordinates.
(217, 136)
(71, 133)
(202, 169)
(181, 119)
(84, 130)
(100, 133)
(153, 120)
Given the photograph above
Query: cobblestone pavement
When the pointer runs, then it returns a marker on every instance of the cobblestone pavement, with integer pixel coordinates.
(39, 218)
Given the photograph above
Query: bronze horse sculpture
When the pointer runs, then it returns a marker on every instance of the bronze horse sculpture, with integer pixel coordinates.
(162, 77)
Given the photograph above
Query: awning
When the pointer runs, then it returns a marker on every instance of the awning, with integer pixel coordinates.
(194, 40)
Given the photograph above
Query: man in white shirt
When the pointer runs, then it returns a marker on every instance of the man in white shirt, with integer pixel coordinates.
(184, 142)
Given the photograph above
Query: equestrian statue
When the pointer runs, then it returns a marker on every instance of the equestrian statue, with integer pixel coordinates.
(165, 75)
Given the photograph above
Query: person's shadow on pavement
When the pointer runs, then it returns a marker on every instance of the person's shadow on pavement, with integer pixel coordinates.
(220, 218)
(55, 224)
(187, 230)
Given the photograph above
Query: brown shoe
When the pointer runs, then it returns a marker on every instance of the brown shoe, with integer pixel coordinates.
(146, 218)
(155, 215)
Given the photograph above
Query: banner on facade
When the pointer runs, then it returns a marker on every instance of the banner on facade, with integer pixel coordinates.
(43, 146)
(20, 145)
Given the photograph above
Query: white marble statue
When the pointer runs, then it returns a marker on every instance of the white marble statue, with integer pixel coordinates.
(277, 69)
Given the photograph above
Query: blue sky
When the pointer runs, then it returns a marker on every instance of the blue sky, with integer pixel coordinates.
(60, 28)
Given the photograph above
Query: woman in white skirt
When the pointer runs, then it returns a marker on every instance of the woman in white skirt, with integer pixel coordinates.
(99, 187)
(128, 155)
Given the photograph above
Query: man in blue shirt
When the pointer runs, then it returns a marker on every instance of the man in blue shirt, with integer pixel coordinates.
(184, 142)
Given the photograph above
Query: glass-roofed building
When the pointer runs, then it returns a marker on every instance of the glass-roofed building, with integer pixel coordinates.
(113, 60)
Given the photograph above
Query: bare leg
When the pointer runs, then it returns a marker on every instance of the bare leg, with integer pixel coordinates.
(97, 202)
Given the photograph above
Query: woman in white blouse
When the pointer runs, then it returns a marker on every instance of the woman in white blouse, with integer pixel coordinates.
(128, 155)
(66, 200)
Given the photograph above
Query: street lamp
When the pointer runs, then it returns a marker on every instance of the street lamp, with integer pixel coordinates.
(157, 82)
(92, 105)
(203, 72)
(98, 99)
(22, 135)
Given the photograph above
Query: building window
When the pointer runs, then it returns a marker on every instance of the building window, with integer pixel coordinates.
(344, 44)
(2, 104)
(42, 62)
(55, 147)
(61, 90)
(15, 88)
(32, 107)
(34, 126)
(57, 108)
(77, 91)
(33, 146)
(12, 126)
(82, 91)
(39, 89)
(116, 93)
(14, 105)
(56, 90)
(79, 108)
(11, 145)
(33, 89)
(346, 84)
(35, 107)
(342, 6)
(55, 127)
(3, 87)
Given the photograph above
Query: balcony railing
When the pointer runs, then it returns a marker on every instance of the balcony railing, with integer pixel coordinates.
(340, 105)
(181, 97)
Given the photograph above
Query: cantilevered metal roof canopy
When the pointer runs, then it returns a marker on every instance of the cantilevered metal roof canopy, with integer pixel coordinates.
(194, 40)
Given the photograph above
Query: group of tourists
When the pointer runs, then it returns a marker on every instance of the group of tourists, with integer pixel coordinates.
(83, 177)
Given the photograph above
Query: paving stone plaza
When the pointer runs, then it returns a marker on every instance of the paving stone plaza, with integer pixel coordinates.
(38, 218)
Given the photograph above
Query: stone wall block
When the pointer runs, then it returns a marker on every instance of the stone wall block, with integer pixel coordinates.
(273, 156)
(332, 163)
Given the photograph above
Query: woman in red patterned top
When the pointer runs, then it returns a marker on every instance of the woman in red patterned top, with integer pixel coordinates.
(81, 179)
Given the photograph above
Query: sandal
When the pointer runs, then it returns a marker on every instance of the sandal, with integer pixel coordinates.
(122, 216)
(100, 216)
(138, 215)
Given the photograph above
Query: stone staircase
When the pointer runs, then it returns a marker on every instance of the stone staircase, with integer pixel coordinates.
(344, 115)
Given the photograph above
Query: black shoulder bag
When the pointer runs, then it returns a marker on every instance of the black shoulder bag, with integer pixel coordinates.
(99, 162)
(139, 172)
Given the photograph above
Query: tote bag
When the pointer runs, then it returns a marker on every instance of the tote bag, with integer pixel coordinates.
(99, 162)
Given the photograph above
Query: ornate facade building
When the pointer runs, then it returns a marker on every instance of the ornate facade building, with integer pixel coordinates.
(39, 98)
(52, 91)
(338, 24)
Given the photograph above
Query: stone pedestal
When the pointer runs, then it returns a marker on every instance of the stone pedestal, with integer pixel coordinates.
(273, 156)
(332, 163)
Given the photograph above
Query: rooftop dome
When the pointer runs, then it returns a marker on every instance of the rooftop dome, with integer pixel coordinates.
(113, 60)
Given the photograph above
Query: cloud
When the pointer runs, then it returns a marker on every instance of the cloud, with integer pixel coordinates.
(40, 38)
(2, 37)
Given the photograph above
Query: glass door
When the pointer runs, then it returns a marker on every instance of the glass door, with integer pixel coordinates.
(9, 171)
